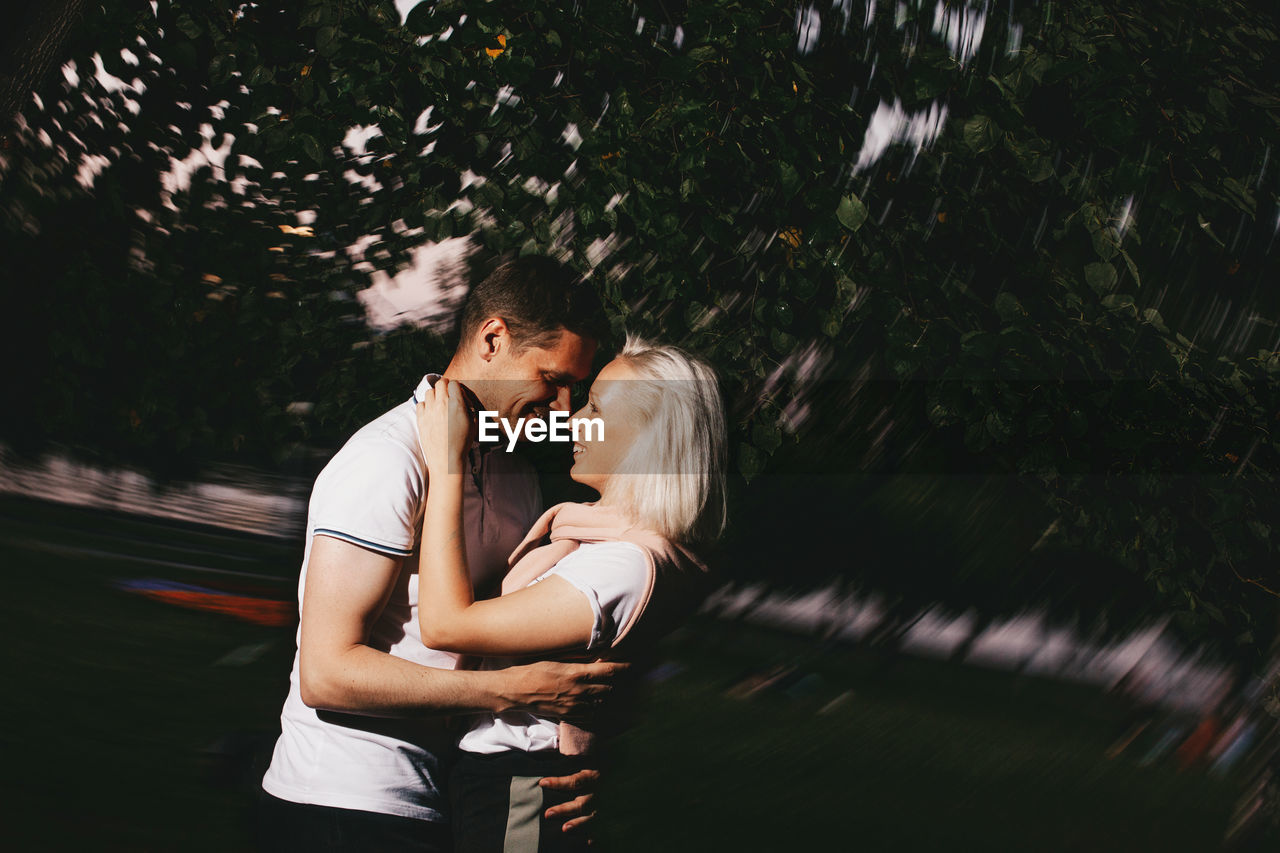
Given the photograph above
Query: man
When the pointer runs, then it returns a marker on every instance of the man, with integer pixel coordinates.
(360, 760)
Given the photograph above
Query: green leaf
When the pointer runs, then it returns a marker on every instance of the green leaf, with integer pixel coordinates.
(851, 212)
(1132, 267)
(384, 14)
(782, 313)
(1104, 244)
(789, 179)
(1008, 308)
(311, 147)
(1038, 168)
(980, 134)
(1239, 196)
(803, 287)
(1101, 277)
(1219, 103)
(696, 315)
(766, 436)
(189, 26)
(330, 13)
(261, 74)
(1208, 229)
(327, 41)
(1117, 301)
(750, 461)
(1152, 316)
(421, 20)
(220, 68)
(1091, 216)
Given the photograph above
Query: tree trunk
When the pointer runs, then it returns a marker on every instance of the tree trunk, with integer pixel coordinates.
(30, 50)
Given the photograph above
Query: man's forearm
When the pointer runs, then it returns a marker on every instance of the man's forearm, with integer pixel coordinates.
(346, 589)
(361, 680)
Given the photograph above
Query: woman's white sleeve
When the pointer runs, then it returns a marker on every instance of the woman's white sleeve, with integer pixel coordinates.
(614, 576)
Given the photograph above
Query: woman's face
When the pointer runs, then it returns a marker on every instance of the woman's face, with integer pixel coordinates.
(610, 400)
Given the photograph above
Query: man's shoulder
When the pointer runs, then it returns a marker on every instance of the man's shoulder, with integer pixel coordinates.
(385, 447)
(393, 430)
(371, 492)
(393, 434)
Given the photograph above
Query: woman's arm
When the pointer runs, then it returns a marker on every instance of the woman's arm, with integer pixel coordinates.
(548, 616)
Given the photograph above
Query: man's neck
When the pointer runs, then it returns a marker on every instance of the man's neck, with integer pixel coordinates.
(470, 377)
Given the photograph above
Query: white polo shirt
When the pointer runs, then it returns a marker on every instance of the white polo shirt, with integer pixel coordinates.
(372, 494)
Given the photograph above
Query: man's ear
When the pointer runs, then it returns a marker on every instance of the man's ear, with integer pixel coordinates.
(494, 337)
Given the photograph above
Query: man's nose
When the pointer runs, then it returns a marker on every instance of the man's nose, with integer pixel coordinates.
(561, 402)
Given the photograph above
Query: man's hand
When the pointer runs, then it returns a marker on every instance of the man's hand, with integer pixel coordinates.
(552, 689)
(577, 811)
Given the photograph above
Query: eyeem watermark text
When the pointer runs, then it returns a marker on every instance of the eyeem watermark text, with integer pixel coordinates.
(560, 427)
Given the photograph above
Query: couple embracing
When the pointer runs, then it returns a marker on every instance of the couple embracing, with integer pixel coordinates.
(435, 586)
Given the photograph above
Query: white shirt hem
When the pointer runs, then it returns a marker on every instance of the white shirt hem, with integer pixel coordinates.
(348, 801)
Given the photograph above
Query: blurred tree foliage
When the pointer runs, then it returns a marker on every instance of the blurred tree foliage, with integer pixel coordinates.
(1028, 242)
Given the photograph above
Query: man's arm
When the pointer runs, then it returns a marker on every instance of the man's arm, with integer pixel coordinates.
(347, 588)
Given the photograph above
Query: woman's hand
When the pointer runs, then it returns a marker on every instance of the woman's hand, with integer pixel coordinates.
(444, 428)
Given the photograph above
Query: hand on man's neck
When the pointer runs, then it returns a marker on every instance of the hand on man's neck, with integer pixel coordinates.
(470, 374)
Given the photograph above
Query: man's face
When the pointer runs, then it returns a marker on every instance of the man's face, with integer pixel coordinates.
(537, 379)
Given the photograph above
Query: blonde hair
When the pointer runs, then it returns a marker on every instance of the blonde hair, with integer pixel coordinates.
(679, 455)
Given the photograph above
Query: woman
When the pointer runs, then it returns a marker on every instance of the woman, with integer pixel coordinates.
(614, 576)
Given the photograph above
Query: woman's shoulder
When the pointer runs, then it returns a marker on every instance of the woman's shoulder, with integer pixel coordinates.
(618, 554)
(608, 568)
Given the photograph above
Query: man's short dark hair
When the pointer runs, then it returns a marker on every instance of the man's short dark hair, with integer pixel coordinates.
(537, 298)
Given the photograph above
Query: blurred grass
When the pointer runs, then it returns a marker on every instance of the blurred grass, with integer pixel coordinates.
(126, 733)
(116, 702)
(920, 755)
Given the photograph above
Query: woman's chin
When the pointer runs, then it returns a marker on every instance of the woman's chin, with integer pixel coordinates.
(585, 479)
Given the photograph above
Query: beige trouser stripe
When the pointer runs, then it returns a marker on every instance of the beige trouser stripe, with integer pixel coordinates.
(524, 813)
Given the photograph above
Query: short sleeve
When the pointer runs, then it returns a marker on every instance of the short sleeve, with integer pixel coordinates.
(370, 494)
(615, 578)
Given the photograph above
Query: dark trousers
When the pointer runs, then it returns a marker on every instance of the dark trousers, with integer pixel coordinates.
(284, 827)
(498, 806)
